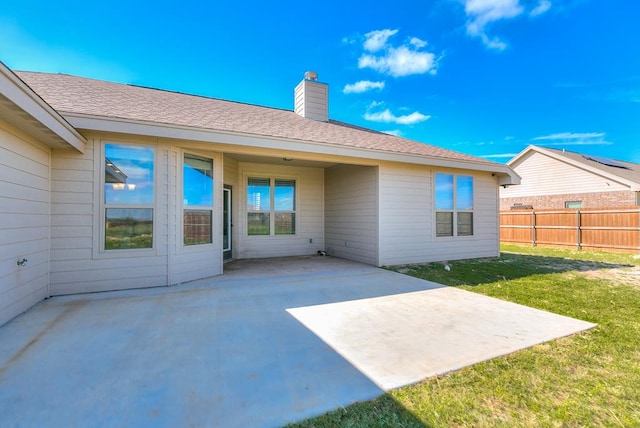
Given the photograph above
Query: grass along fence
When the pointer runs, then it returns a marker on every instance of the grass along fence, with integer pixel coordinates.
(596, 229)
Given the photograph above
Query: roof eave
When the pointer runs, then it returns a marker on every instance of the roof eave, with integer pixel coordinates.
(128, 126)
(57, 131)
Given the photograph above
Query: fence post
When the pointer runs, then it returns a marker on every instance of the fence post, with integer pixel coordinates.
(578, 230)
(533, 228)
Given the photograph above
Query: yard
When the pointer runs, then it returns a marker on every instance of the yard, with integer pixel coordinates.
(590, 379)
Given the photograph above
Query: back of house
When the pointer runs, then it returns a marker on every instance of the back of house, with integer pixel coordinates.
(108, 186)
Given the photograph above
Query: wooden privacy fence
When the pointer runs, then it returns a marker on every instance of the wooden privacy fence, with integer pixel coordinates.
(602, 229)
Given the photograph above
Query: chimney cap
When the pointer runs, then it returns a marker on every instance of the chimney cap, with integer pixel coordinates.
(311, 75)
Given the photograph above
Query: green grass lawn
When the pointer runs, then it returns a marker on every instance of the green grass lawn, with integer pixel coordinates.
(589, 379)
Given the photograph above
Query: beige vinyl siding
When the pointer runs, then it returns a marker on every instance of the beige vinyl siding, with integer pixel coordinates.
(174, 214)
(197, 265)
(543, 175)
(309, 213)
(406, 214)
(407, 218)
(311, 100)
(351, 212)
(71, 216)
(24, 221)
(486, 217)
(163, 171)
(78, 263)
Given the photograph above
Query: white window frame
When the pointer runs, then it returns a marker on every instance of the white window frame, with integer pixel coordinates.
(455, 211)
(184, 207)
(272, 210)
(99, 248)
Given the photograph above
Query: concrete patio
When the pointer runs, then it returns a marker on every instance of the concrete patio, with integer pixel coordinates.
(270, 342)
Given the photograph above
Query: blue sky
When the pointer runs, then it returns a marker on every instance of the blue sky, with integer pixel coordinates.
(484, 77)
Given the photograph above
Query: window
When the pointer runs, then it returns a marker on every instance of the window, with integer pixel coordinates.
(128, 196)
(285, 205)
(271, 206)
(197, 194)
(259, 206)
(454, 205)
(573, 204)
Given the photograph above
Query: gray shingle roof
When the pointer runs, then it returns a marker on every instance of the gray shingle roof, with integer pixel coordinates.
(631, 171)
(79, 95)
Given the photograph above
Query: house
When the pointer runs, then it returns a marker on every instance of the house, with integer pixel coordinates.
(562, 179)
(107, 186)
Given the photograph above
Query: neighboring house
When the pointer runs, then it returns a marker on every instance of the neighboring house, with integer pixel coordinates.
(561, 179)
(106, 186)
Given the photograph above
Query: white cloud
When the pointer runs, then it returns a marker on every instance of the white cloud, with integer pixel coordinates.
(406, 59)
(493, 42)
(543, 6)
(499, 156)
(376, 40)
(348, 41)
(418, 43)
(571, 136)
(481, 13)
(484, 12)
(402, 61)
(575, 139)
(387, 117)
(394, 132)
(362, 86)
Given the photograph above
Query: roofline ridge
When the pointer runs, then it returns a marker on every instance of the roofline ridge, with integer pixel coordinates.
(151, 88)
(171, 91)
(586, 155)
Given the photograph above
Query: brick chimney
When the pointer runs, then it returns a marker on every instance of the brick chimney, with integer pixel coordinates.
(311, 99)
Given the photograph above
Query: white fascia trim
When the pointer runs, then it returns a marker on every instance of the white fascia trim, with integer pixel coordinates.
(24, 97)
(519, 156)
(633, 186)
(126, 126)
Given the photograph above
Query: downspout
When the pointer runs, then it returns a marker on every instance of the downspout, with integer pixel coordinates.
(49, 180)
(499, 218)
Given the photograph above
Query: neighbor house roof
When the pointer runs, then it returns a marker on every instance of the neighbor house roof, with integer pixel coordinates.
(624, 172)
(72, 95)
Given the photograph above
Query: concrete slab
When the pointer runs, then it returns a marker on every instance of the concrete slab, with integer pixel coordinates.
(270, 342)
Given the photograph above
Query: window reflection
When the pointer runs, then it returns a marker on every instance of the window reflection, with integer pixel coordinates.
(444, 191)
(128, 196)
(128, 174)
(198, 181)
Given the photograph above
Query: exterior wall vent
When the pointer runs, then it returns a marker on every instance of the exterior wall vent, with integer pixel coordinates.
(311, 98)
